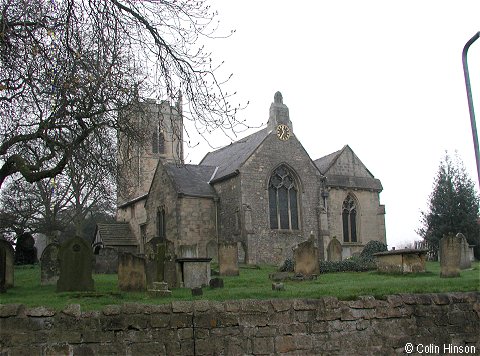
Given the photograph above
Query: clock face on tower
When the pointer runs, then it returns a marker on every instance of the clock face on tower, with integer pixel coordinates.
(283, 132)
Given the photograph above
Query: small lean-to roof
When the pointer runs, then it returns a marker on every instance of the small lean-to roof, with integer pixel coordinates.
(191, 180)
(230, 158)
(116, 234)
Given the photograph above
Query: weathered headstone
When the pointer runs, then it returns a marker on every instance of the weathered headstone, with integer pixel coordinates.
(334, 250)
(159, 289)
(6, 264)
(228, 259)
(471, 253)
(25, 252)
(450, 255)
(170, 273)
(195, 271)
(106, 261)
(49, 266)
(131, 272)
(154, 261)
(306, 258)
(464, 252)
(75, 258)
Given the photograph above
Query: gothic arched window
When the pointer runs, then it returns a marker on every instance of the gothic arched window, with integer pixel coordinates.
(158, 142)
(349, 219)
(283, 200)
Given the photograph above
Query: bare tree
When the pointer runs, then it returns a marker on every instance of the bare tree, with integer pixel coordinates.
(50, 206)
(33, 207)
(69, 66)
(91, 181)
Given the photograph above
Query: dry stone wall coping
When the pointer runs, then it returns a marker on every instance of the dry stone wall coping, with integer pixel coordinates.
(276, 326)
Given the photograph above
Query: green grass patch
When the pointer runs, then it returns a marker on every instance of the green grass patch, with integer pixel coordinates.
(253, 283)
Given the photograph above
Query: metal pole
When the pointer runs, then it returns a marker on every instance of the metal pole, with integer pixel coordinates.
(470, 100)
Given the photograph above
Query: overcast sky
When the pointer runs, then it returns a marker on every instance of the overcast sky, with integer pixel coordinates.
(384, 77)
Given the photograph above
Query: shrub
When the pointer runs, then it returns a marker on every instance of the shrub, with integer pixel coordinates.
(370, 248)
(364, 262)
(287, 266)
(352, 264)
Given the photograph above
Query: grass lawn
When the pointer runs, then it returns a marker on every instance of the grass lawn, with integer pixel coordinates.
(251, 284)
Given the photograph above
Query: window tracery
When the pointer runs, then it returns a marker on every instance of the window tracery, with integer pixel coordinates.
(283, 200)
(349, 219)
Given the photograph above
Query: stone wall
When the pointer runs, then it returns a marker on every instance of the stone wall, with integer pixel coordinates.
(296, 326)
(196, 223)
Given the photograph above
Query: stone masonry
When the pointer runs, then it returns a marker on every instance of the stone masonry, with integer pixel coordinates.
(251, 327)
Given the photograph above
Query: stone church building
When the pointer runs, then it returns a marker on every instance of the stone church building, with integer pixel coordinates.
(263, 192)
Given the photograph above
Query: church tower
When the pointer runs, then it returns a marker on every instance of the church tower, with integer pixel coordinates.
(161, 127)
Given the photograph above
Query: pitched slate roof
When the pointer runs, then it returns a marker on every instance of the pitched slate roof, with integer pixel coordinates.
(230, 158)
(191, 180)
(116, 234)
(324, 163)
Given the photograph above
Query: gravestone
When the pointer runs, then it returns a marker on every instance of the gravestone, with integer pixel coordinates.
(306, 258)
(334, 250)
(49, 266)
(154, 261)
(195, 271)
(464, 252)
(25, 251)
(75, 259)
(106, 261)
(450, 255)
(6, 264)
(131, 272)
(159, 289)
(170, 273)
(228, 259)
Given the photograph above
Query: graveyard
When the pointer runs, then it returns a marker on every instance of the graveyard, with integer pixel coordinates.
(252, 283)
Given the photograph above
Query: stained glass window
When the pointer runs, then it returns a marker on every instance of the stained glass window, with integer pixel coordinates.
(283, 203)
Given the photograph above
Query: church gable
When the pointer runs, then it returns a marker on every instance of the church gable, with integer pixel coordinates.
(344, 169)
